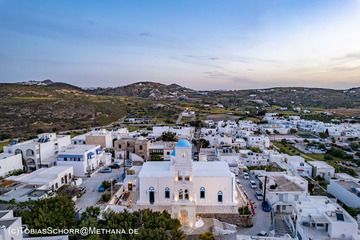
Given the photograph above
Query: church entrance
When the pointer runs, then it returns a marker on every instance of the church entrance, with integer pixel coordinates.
(184, 217)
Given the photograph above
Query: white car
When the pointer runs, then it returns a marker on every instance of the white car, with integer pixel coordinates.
(253, 184)
(259, 196)
(246, 175)
(238, 181)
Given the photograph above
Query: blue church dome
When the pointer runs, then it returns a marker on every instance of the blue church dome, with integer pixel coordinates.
(183, 143)
(173, 153)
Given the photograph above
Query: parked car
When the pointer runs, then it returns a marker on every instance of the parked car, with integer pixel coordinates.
(262, 234)
(266, 206)
(259, 195)
(101, 188)
(238, 181)
(106, 170)
(246, 175)
(253, 184)
(115, 166)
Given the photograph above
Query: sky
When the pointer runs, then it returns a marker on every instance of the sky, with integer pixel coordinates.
(201, 44)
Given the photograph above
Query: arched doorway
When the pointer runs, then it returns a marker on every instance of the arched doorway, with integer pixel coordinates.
(184, 217)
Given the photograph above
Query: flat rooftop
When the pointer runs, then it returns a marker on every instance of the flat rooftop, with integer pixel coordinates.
(25, 192)
(349, 184)
(204, 169)
(77, 149)
(284, 185)
(40, 176)
(323, 209)
(320, 164)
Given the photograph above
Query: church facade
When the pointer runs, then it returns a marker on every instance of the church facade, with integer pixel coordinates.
(186, 188)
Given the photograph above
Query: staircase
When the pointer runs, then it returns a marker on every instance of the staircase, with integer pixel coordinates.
(281, 226)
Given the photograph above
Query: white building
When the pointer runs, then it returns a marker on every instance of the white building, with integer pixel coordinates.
(298, 166)
(318, 217)
(41, 151)
(282, 190)
(260, 141)
(249, 158)
(10, 163)
(11, 227)
(84, 159)
(322, 169)
(51, 178)
(186, 188)
(162, 148)
(97, 136)
(207, 154)
(181, 132)
(347, 191)
(230, 156)
(9, 222)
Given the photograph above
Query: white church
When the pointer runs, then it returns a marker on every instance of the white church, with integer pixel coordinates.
(186, 188)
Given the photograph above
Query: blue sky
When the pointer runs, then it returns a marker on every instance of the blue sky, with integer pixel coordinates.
(202, 44)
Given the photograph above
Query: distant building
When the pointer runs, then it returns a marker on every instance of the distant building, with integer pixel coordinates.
(125, 148)
(39, 152)
(181, 132)
(260, 141)
(160, 150)
(322, 169)
(100, 137)
(97, 136)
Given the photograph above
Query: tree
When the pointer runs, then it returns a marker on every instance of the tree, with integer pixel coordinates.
(293, 131)
(168, 137)
(324, 134)
(207, 236)
(256, 149)
(57, 212)
(204, 143)
(106, 197)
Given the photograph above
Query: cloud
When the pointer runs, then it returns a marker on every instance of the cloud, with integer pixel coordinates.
(144, 34)
(215, 74)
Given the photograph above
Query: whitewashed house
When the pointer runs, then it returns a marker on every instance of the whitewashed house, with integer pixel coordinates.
(51, 178)
(322, 169)
(320, 218)
(10, 163)
(39, 152)
(186, 188)
(181, 132)
(250, 158)
(85, 159)
(298, 166)
(260, 141)
(230, 156)
(283, 190)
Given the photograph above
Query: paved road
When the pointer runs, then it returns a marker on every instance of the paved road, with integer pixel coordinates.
(261, 220)
(91, 197)
(178, 120)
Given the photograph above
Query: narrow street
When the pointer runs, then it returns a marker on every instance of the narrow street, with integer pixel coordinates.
(261, 220)
(92, 196)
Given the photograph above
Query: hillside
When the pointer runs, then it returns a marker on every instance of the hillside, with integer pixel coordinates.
(306, 97)
(145, 90)
(30, 108)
